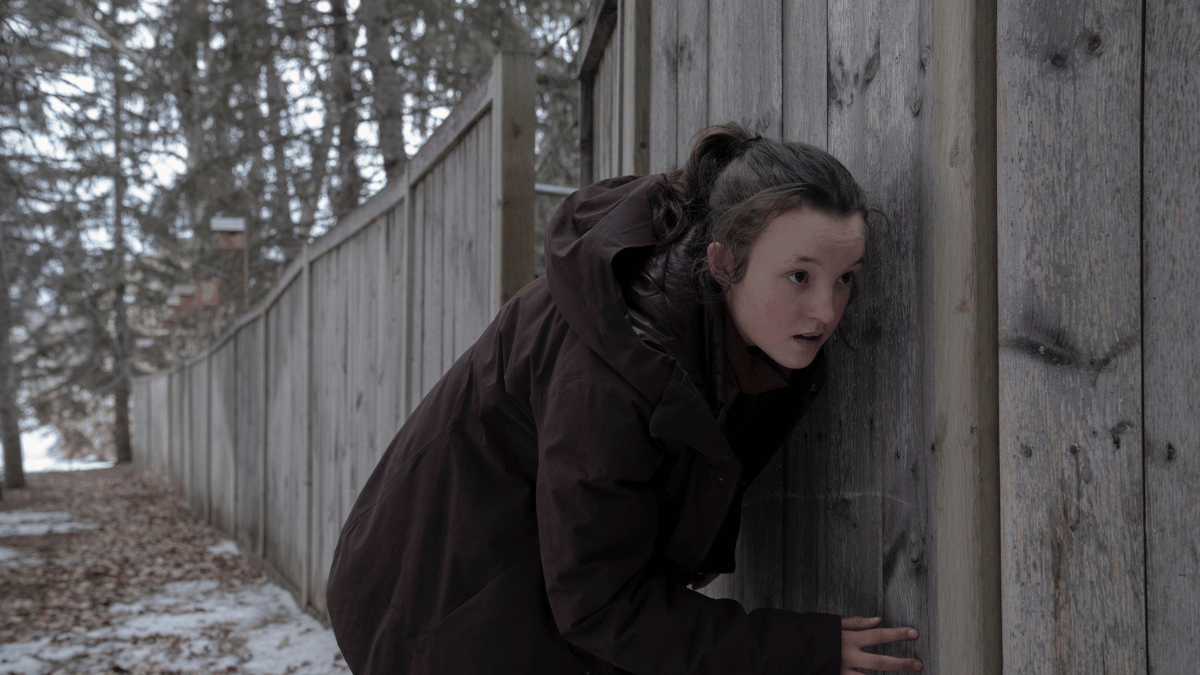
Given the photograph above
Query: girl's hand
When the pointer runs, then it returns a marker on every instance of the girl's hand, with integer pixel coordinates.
(859, 632)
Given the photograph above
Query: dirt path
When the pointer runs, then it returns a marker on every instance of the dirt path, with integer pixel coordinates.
(106, 571)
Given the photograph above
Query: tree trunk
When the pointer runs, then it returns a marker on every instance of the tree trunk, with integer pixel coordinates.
(387, 100)
(10, 430)
(121, 359)
(345, 198)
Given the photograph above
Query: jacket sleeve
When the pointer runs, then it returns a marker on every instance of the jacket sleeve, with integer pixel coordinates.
(597, 514)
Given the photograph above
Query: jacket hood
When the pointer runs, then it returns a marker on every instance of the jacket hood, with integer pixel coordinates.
(630, 305)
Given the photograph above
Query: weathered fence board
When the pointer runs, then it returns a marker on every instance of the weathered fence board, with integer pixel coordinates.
(286, 495)
(859, 466)
(197, 482)
(362, 326)
(608, 118)
(1070, 336)
(1171, 329)
(746, 34)
(160, 420)
(180, 430)
(223, 437)
(328, 439)
(805, 75)
(664, 75)
(966, 631)
(251, 428)
(692, 89)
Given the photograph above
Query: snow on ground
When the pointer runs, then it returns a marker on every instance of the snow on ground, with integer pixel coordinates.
(225, 547)
(105, 572)
(190, 627)
(36, 523)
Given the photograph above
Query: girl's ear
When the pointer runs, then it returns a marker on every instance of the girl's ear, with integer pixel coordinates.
(718, 263)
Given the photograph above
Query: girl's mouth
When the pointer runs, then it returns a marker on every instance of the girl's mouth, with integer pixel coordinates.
(808, 338)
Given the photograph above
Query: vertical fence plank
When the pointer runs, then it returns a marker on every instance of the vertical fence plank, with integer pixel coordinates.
(481, 282)
(433, 269)
(197, 491)
(746, 78)
(450, 227)
(251, 413)
(513, 120)
(859, 468)
(1069, 328)
(805, 76)
(635, 87)
(461, 227)
(327, 375)
(967, 521)
(693, 85)
(160, 434)
(418, 326)
(664, 78)
(223, 438)
(1171, 321)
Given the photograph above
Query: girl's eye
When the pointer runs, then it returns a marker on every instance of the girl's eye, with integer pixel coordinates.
(798, 277)
(846, 278)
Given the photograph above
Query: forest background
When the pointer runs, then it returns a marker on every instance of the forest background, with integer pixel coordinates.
(126, 126)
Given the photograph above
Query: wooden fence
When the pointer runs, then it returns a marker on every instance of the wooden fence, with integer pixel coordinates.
(1010, 456)
(271, 433)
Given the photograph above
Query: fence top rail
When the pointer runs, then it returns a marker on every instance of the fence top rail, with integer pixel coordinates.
(476, 103)
(593, 39)
(462, 119)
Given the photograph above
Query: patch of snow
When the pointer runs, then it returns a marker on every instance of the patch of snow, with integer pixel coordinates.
(35, 523)
(226, 547)
(192, 627)
(19, 658)
(13, 558)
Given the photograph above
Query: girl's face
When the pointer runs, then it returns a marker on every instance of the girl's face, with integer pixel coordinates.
(797, 283)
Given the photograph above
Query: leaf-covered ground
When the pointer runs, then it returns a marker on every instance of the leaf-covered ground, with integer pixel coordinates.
(107, 571)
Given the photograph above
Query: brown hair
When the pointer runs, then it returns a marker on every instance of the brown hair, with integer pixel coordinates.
(735, 182)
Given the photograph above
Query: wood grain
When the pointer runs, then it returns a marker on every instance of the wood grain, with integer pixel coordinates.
(286, 493)
(692, 61)
(513, 128)
(746, 71)
(635, 87)
(605, 123)
(1171, 329)
(160, 419)
(663, 113)
(963, 162)
(805, 75)
(223, 438)
(859, 469)
(251, 416)
(1072, 564)
(197, 444)
(328, 384)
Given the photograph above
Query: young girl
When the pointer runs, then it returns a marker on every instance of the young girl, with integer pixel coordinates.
(554, 501)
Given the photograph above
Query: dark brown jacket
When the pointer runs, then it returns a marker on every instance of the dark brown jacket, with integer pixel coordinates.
(544, 507)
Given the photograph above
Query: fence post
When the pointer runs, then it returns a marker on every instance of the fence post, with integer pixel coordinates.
(513, 128)
(306, 310)
(967, 513)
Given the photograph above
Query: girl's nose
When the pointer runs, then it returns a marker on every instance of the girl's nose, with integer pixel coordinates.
(824, 309)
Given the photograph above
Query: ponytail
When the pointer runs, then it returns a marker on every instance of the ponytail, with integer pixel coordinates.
(685, 191)
(735, 182)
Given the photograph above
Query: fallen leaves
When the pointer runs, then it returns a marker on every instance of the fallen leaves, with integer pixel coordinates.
(145, 537)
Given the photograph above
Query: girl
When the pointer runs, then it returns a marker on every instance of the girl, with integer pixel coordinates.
(553, 503)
